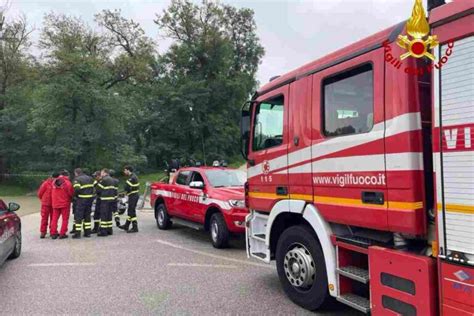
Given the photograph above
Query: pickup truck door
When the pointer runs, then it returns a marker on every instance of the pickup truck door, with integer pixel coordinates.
(195, 210)
(178, 193)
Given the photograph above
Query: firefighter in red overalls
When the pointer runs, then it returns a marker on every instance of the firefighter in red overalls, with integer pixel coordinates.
(44, 194)
(61, 195)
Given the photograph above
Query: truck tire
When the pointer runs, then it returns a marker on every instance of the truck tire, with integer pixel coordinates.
(17, 250)
(162, 218)
(218, 231)
(301, 267)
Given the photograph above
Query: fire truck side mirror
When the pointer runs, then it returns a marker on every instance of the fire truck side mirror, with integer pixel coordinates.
(245, 128)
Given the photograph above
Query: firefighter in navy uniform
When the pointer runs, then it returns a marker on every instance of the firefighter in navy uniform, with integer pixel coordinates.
(115, 213)
(95, 230)
(84, 194)
(132, 187)
(107, 192)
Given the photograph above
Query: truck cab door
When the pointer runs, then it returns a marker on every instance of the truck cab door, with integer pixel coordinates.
(268, 152)
(194, 209)
(178, 194)
(348, 152)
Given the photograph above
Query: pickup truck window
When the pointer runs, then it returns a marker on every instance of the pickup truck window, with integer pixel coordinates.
(226, 178)
(349, 102)
(183, 177)
(196, 177)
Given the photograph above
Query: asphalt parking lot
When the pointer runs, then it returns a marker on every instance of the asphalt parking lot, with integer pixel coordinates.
(174, 272)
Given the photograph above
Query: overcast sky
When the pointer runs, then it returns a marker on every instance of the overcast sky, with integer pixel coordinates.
(293, 32)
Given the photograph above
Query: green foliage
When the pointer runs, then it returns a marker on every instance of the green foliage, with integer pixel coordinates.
(101, 95)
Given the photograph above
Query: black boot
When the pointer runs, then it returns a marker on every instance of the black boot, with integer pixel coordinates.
(73, 230)
(117, 221)
(134, 227)
(95, 230)
(110, 231)
(125, 226)
(102, 232)
(87, 233)
(77, 234)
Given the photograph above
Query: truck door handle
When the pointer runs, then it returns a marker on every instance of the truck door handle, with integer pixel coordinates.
(371, 197)
(282, 191)
(296, 140)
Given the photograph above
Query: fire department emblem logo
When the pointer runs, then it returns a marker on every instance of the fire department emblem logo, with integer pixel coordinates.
(417, 42)
(462, 275)
(266, 167)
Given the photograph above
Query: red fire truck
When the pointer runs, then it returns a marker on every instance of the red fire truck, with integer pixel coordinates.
(361, 170)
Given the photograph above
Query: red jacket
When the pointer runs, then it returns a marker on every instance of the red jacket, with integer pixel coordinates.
(44, 192)
(62, 192)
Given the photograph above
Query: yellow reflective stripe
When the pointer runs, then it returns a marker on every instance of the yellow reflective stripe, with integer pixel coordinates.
(97, 221)
(95, 182)
(85, 186)
(77, 185)
(133, 219)
(133, 192)
(402, 206)
(110, 187)
(133, 185)
(85, 196)
(100, 185)
(457, 208)
(107, 198)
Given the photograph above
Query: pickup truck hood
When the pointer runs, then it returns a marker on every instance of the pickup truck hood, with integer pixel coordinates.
(231, 193)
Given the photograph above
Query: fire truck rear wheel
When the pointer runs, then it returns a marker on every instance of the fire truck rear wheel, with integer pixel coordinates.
(162, 218)
(301, 267)
(218, 230)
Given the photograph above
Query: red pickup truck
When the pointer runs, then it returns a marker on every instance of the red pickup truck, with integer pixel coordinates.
(209, 198)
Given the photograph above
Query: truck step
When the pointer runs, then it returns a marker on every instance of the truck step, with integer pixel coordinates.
(354, 273)
(259, 236)
(186, 223)
(260, 255)
(355, 301)
(356, 241)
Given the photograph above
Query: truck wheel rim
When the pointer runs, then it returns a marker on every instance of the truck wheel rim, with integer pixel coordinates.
(299, 266)
(214, 230)
(161, 217)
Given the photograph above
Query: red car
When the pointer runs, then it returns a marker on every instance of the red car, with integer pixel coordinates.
(208, 198)
(10, 232)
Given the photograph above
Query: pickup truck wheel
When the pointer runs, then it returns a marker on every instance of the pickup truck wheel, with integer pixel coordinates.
(17, 250)
(219, 231)
(162, 218)
(301, 267)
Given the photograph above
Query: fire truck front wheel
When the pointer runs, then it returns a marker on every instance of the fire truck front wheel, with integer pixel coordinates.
(162, 218)
(301, 267)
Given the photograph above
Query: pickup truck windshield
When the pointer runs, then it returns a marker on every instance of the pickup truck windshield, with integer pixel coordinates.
(226, 178)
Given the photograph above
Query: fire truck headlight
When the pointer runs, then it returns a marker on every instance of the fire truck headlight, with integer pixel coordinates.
(237, 203)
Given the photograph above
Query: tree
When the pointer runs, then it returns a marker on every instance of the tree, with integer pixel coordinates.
(212, 64)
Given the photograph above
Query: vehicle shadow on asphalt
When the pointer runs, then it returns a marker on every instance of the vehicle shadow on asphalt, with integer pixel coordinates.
(236, 241)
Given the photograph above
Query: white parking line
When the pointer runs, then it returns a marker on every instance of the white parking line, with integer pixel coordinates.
(250, 263)
(61, 264)
(198, 265)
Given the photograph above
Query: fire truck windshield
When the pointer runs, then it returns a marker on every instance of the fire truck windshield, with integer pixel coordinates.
(226, 178)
